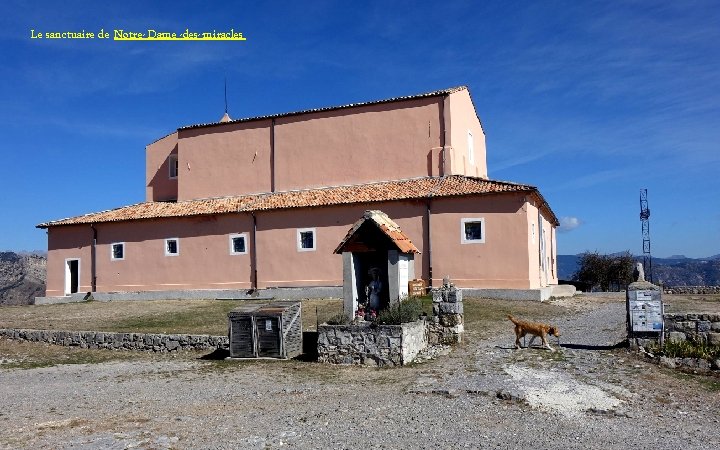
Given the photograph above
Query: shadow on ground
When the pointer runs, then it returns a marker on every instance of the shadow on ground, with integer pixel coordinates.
(309, 349)
(621, 344)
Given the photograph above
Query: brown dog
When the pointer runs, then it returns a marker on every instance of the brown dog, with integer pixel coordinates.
(523, 327)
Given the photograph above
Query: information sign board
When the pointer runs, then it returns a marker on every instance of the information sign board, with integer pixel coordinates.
(646, 311)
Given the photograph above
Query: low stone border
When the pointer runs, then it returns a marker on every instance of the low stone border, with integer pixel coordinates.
(706, 290)
(371, 344)
(696, 327)
(150, 342)
(688, 363)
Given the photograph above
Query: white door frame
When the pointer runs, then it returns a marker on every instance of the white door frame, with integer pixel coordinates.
(68, 275)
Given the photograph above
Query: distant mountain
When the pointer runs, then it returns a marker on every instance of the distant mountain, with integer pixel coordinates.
(677, 270)
(22, 278)
(567, 265)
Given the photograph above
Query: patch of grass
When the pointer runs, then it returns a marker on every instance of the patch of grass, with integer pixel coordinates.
(316, 311)
(156, 316)
(687, 349)
(33, 355)
(338, 319)
(680, 303)
(208, 317)
(489, 315)
(709, 383)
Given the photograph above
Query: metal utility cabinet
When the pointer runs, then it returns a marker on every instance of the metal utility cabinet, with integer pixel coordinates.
(267, 330)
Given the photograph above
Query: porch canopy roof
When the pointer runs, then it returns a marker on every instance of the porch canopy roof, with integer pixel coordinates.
(357, 239)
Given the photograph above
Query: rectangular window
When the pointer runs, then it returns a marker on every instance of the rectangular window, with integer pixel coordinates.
(471, 148)
(306, 239)
(173, 166)
(238, 244)
(472, 231)
(117, 251)
(172, 247)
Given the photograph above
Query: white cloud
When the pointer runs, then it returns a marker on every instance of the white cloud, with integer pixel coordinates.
(568, 223)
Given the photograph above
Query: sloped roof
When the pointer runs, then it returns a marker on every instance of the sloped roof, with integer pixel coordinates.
(331, 108)
(415, 188)
(384, 224)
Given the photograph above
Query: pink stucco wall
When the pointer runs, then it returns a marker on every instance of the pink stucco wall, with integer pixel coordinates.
(232, 159)
(463, 119)
(500, 262)
(348, 146)
(386, 141)
(280, 264)
(504, 260)
(71, 242)
(204, 260)
(368, 143)
(159, 186)
(543, 229)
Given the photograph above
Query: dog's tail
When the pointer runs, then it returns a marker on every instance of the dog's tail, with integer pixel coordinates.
(512, 319)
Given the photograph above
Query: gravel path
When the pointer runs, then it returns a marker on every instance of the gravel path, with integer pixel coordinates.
(484, 394)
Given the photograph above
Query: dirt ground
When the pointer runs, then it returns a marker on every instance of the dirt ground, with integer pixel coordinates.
(590, 392)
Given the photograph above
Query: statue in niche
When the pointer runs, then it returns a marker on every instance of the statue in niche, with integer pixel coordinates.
(372, 290)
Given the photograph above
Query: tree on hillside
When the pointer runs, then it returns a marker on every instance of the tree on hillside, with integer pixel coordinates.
(605, 271)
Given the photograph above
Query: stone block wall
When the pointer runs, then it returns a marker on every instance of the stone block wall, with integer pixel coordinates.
(702, 328)
(447, 325)
(119, 341)
(704, 290)
(366, 343)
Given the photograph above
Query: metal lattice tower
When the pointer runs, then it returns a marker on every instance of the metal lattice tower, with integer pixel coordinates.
(645, 219)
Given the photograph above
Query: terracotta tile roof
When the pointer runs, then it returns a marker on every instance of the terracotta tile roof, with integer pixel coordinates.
(386, 226)
(416, 188)
(331, 108)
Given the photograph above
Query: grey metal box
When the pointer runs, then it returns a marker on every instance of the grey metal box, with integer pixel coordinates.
(270, 330)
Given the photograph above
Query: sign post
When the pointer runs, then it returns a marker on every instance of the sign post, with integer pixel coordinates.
(644, 309)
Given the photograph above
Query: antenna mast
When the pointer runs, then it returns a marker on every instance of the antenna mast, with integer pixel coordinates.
(225, 95)
(645, 219)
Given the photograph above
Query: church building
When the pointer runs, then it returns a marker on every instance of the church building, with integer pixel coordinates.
(259, 205)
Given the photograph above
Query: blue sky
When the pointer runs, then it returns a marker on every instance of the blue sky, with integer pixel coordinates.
(589, 101)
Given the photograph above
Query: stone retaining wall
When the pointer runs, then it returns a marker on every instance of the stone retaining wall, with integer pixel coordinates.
(119, 341)
(698, 328)
(703, 328)
(366, 343)
(447, 326)
(706, 290)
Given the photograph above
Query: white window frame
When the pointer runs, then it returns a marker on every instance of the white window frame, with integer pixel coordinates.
(471, 148)
(232, 247)
(112, 251)
(173, 166)
(463, 221)
(177, 246)
(299, 239)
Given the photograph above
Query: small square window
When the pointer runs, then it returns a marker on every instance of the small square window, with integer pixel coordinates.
(173, 166)
(306, 239)
(238, 244)
(172, 247)
(117, 251)
(472, 231)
